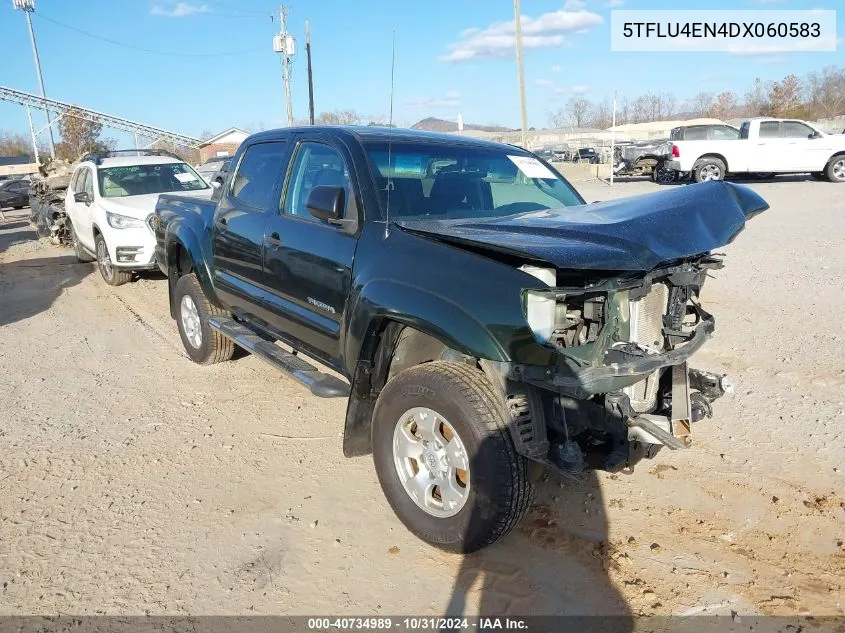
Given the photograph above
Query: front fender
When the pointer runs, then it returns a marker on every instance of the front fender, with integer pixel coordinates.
(425, 310)
(184, 248)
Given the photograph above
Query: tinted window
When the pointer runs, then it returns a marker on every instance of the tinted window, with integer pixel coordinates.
(770, 129)
(725, 133)
(794, 129)
(743, 130)
(695, 133)
(257, 175)
(315, 165)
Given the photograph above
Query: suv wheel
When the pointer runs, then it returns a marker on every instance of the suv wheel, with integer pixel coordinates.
(111, 275)
(82, 255)
(835, 170)
(445, 458)
(708, 169)
(203, 344)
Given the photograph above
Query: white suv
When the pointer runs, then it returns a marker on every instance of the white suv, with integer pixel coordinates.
(110, 201)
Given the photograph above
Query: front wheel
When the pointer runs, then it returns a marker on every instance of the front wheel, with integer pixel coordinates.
(706, 169)
(82, 255)
(111, 275)
(835, 170)
(445, 459)
(203, 344)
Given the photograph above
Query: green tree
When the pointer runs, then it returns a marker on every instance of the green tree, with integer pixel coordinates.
(80, 135)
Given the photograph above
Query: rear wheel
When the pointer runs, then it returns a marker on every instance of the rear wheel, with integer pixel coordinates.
(708, 169)
(663, 176)
(835, 170)
(445, 458)
(203, 344)
(111, 275)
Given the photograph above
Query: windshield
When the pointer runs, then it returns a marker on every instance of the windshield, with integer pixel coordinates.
(427, 180)
(139, 180)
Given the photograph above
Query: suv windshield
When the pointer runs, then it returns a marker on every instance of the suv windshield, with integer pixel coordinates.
(138, 180)
(452, 182)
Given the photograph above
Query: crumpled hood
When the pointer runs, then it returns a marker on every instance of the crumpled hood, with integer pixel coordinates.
(637, 233)
(140, 207)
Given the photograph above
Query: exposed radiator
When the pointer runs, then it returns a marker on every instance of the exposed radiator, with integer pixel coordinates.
(647, 330)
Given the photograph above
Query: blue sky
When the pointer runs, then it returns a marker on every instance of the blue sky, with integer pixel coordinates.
(451, 56)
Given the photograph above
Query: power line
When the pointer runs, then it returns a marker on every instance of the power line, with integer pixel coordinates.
(141, 48)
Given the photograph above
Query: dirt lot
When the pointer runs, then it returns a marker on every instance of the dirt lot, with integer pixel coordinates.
(132, 481)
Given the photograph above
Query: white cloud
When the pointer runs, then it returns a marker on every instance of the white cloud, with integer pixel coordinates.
(544, 83)
(498, 39)
(574, 5)
(452, 99)
(178, 10)
(580, 89)
(556, 69)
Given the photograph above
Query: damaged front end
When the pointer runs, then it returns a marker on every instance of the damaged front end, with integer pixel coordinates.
(621, 388)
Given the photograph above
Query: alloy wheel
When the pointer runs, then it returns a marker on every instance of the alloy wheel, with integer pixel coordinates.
(104, 260)
(431, 462)
(191, 321)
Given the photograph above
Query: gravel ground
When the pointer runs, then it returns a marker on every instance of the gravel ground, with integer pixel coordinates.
(133, 481)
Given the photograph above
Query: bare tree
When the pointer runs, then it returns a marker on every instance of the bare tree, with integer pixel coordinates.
(826, 92)
(701, 104)
(667, 105)
(577, 108)
(757, 99)
(339, 117)
(557, 119)
(601, 115)
(722, 106)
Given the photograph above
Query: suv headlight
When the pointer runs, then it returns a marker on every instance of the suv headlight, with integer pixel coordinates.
(117, 221)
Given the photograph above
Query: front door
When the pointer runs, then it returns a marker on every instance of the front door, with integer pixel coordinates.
(82, 213)
(238, 227)
(807, 151)
(307, 261)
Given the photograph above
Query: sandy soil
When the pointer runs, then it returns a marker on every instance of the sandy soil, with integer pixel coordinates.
(133, 481)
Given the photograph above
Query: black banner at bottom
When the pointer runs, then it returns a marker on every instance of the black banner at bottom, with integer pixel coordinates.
(413, 624)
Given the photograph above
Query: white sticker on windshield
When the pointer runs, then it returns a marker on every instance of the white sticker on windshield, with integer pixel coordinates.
(185, 177)
(531, 167)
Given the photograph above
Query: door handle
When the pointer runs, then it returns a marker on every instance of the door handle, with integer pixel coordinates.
(274, 240)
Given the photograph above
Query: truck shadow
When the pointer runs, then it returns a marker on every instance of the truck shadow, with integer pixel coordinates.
(555, 562)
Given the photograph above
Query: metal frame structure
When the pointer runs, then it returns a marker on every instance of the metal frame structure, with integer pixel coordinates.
(107, 120)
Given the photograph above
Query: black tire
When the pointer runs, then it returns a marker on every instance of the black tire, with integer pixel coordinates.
(819, 175)
(82, 255)
(835, 170)
(663, 176)
(500, 488)
(214, 347)
(111, 275)
(708, 168)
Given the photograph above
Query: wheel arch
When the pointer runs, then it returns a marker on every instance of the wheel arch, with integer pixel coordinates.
(184, 256)
(713, 155)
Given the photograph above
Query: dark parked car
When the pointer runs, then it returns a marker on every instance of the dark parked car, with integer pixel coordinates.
(14, 193)
(481, 315)
(586, 155)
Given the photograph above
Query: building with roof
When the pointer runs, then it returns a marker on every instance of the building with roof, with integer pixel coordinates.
(223, 144)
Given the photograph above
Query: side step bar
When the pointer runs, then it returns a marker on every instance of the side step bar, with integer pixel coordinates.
(320, 384)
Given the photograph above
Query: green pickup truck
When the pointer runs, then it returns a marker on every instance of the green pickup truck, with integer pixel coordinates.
(477, 314)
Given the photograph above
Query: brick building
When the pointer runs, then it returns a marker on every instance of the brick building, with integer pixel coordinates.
(224, 144)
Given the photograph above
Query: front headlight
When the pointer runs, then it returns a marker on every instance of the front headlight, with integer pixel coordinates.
(117, 221)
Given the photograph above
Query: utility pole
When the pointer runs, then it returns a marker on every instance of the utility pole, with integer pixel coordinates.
(32, 134)
(284, 44)
(613, 138)
(310, 75)
(520, 71)
(28, 6)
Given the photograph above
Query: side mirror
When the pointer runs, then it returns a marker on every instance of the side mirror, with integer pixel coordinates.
(216, 184)
(83, 197)
(814, 135)
(326, 202)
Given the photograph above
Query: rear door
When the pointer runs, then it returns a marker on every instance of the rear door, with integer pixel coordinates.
(307, 261)
(238, 224)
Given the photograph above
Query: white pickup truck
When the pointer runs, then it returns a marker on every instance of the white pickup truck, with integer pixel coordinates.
(764, 146)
